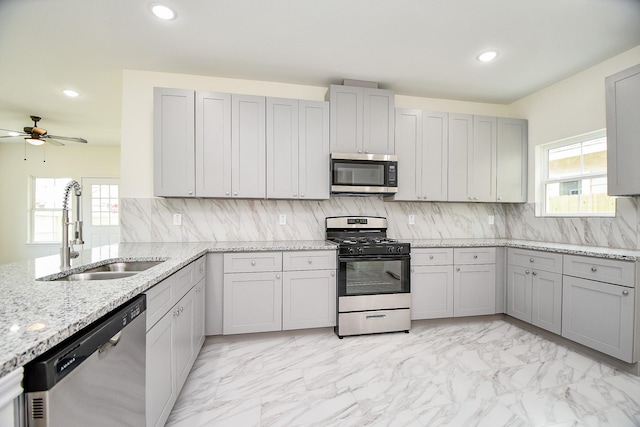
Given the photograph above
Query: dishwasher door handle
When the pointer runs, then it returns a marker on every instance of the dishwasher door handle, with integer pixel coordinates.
(113, 341)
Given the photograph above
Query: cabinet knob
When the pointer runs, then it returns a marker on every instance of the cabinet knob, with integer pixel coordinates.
(277, 276)
(295, 194)
(499, 198)
(594, 269)
(190, 191)
(235, 193)
(534, 273)
(253, 263)
(531, 260)
(625, 293)
(430, 256)
(527, 272)
(310, 261)
(457, 268)
(301, 194)
(226, 193)
(475, 257)
(333, 274)
(413, 270)
(360, 151)
(470, 198)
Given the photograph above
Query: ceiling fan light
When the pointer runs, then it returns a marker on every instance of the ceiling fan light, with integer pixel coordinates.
(163, 12)
(70, 93)
(488, 56)
(34, 141)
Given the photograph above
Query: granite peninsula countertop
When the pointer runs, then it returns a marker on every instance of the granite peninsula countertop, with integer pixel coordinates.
(36, 315)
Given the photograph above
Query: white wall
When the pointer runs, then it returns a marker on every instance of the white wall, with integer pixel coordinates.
(72, 161)
(137, 114)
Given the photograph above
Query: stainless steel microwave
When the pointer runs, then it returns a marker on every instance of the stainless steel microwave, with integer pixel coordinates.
(364, 173)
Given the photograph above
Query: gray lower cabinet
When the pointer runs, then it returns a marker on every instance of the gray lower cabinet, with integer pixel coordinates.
(308, 299)
(623, 128)
(534, 288)
(297, 149)
(431, 283)
(474, 281)
(175, 333)
(252, 302)
(599, 315)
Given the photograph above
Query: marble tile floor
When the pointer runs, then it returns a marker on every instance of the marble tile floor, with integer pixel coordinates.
(461, 372)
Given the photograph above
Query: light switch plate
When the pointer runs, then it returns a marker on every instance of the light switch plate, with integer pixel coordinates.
(412, 219)
(491, 220)
(282, 219)
(177, 219)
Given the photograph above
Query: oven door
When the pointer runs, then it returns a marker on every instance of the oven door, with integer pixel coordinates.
(374, 275)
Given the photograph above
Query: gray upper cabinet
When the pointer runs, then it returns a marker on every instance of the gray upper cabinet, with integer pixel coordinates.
(248, 151)
(623, 132)
(173, 143)
(511, 162)
(297, 149)
(213, 144)
(460, 157)
(422, 142)
(362, 120)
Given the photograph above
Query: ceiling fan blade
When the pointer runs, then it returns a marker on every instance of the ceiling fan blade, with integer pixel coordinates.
(54, 142)
(66, 138)
(19, 133)
(22, 135)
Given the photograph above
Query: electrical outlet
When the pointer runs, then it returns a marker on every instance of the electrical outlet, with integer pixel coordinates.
(491, 220)
(177, 219)
(282, 219)
(412, 219)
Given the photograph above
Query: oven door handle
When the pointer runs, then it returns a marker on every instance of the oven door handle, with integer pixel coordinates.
(398, 257)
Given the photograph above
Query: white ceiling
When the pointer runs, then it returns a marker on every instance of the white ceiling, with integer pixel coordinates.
(414, 47)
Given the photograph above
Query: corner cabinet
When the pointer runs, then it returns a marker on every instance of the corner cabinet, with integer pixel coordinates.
(208, 144)
(297, 149)
(422, 147)
(362, 120)
(623, 132)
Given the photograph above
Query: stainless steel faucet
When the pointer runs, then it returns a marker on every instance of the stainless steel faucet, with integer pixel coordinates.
(66, 251)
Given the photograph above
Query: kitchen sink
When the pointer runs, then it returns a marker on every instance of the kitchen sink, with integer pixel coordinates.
(113, 270)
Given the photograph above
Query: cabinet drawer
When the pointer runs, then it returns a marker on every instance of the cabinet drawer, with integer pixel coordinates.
(247, 262)
(159, 301)
(309, 260)
(183, 280)
(603, 270)
(199, 269)
(474, 255)
(432, 256)
(539, 260)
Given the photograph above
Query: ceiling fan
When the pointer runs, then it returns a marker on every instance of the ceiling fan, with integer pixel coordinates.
(37, 136)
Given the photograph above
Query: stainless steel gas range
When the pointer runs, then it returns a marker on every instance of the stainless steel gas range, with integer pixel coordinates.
(374, 289)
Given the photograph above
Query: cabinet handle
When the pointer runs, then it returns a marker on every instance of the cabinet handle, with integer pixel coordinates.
(253, 263)
(527, 272)
(277, 276)
(534, 273)
(457, 268)
(531, 260)
(625, 293)
(594, 269)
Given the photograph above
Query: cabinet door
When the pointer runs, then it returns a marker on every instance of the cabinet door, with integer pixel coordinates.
(173, 143)
(282, 148)
(546, 300)
(623, 128)
(599, 315)
(198, 318)
(213, 293)
(431, 292)
(308, 299)
(252, 302)
(511, 161)
(314, 181)
(213, 144)
(474, 290)
(460, 160)
(346, 109)
(434, 155)
(519, 292)
(379, 123)
(183, 343)
(409, 150)
(161, 391)
(248, 146)
(482, 177)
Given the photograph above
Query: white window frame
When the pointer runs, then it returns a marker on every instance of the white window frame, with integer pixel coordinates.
(33, 209)
(543, 174)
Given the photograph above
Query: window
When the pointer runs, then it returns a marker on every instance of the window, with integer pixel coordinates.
(104, 204)
(574, 177)
(46, 209)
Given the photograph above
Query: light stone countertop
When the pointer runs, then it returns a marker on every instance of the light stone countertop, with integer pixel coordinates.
(36, 315)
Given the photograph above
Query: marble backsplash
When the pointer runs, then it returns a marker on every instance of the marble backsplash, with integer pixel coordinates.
(151, 220)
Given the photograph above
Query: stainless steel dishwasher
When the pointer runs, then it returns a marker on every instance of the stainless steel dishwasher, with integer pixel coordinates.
(94, 378)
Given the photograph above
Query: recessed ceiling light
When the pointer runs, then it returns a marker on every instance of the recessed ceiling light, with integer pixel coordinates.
(163, 12)
(70, 93)
(488, 56)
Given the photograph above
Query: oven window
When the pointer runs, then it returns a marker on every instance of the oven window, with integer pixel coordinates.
(374, 277)
(371, 175)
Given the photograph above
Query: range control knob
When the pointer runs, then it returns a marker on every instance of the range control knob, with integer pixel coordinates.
(360, 250)
(399, 249)
(351, 250)
(390, 249)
